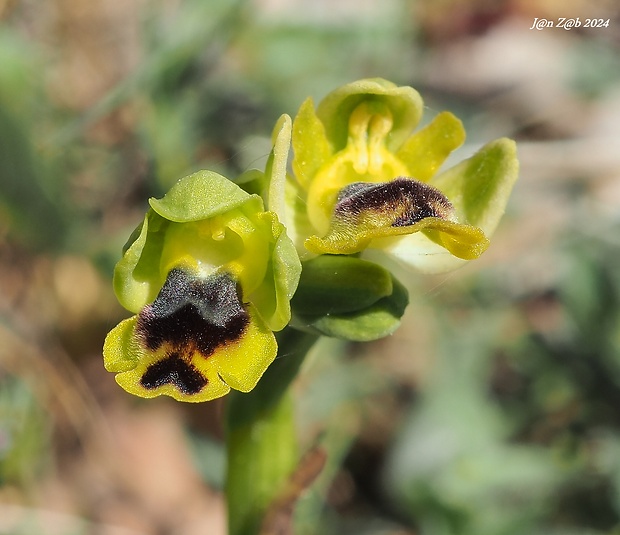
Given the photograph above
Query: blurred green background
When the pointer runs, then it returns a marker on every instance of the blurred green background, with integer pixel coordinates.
(494, 410)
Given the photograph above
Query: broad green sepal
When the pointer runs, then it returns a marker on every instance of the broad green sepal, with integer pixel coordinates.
(480, 186)
(371, 323)
(338, 284)
(403, 102)
(201, 195)
(348, 298)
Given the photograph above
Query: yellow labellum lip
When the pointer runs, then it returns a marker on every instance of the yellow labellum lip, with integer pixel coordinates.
(367, 211)
(194, 317)
(196, 341)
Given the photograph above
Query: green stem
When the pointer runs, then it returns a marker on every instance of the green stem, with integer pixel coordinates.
(261, 437)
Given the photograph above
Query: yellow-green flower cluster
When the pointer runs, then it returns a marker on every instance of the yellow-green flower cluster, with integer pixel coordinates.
(211, 271)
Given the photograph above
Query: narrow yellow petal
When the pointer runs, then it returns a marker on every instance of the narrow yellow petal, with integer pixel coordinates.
(425, 151)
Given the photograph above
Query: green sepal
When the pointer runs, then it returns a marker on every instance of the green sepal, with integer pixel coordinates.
(201, 195)
(275, 170)
(404, 103)
(371, 323)
(480, 186)
(335, 284)
(137, 277)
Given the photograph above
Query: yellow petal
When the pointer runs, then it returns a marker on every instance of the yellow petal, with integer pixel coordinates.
(310, 145)
(425, 151)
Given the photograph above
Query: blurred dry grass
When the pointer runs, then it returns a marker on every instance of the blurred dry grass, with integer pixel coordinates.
(105, 103)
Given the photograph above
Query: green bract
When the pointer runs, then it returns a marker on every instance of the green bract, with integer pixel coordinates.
(366, 180)
(209, 274)
(346, 297)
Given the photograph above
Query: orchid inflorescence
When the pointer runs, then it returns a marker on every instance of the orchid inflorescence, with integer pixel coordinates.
(217, 266)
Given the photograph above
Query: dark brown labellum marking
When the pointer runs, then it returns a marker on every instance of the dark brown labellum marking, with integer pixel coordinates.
(173, 369)
(191, 314)
(404, 201)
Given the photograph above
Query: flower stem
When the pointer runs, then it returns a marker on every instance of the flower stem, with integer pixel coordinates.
(261, 437)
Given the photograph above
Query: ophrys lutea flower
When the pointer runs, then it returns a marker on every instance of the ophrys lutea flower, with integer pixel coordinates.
(366, 180)
(209, 275)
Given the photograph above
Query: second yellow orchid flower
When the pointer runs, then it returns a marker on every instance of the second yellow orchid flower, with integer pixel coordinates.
(365, 179)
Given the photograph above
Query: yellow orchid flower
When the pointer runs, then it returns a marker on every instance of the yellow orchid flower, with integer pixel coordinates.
(209, 275)
(366, 180)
